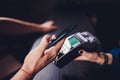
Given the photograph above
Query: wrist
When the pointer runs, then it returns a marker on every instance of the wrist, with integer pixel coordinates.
(100, 59)
(28, 70)
(110, 58)
(105, 58)
(21, 75)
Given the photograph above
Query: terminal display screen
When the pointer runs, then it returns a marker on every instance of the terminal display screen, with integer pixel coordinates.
(73, 41)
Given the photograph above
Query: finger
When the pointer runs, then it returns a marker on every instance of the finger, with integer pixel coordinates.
(52, 52)
(53, 24)
(59, 45)
(44, 43)
(83, 55)
(83, 52)
(91, 56)
(80, 52)
(54, 27)
(82, 58)
(53, 36)
(54, 49)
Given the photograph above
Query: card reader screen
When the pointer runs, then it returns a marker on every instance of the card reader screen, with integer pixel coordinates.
(73, 41)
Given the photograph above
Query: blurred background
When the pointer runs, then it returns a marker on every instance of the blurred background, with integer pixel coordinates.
(103, 13)
(103, 16)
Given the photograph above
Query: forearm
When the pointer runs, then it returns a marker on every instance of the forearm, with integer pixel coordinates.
(26, 72)
(21, 75)
(102, 59)
(15, 26)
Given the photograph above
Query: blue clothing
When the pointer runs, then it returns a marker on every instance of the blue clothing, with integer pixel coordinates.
(116, 59)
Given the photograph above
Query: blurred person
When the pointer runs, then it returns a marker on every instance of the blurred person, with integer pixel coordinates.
(11, 26)
(17, 36)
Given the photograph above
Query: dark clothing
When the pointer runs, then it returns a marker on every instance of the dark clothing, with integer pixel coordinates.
(75, 70)
(82, 70)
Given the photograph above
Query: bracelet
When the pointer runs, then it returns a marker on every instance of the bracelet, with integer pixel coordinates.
(105, 59)
(26, 72)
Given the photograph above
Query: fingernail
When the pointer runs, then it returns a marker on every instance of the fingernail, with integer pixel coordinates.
(80, 52)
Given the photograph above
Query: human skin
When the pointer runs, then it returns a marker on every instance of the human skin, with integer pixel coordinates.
(94, 57)
(12, 26)
(37, 59)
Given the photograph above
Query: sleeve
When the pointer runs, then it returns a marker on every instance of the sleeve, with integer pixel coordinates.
(116, 59)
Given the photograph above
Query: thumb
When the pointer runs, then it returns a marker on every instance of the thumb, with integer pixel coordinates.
(44, 43)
